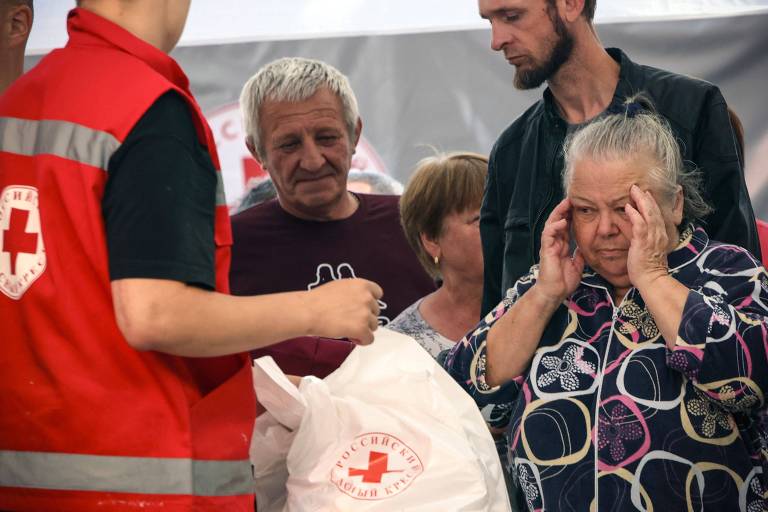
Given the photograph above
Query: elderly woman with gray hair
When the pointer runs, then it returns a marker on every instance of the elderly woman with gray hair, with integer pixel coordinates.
(637, 362)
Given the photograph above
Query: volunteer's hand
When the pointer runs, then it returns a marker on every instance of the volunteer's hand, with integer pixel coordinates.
(345, 308)
(559, 273)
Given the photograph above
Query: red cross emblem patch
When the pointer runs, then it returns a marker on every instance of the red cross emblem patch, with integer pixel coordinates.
(22, 253)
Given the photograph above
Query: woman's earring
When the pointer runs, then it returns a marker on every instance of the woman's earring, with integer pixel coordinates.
(437, 260)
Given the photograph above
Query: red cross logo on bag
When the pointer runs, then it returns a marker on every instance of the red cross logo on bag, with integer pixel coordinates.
(377, 467)
(386, 464)
(22, 254)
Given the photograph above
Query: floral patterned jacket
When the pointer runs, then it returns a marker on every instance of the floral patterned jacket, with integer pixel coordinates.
(608, 419)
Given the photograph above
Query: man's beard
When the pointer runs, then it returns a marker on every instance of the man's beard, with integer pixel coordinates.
(558, 55)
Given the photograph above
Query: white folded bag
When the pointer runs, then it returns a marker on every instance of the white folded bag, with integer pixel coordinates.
(389, 430)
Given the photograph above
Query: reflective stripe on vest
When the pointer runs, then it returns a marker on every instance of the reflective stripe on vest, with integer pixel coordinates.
(221, 200)
(60, 138)
(68, 140)
(140, 475)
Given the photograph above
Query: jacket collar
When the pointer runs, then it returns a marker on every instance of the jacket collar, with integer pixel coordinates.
(86, 28)
(624, 87)
(693, 241)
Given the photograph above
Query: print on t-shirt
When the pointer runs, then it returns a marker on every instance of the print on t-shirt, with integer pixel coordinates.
(326, 273)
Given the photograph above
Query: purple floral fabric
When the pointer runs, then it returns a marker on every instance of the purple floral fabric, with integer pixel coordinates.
(607, 418)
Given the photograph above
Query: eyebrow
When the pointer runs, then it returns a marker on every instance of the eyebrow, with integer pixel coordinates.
(620, 201)
(501, 10)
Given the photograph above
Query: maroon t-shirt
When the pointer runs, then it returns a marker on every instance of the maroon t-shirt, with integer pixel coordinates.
(274, 251)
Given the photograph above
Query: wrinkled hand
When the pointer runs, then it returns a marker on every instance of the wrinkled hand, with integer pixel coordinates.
(345, 308)
(559, 273)
(648, 240)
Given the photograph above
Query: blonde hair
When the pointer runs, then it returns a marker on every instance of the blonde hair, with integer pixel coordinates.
(440, 185)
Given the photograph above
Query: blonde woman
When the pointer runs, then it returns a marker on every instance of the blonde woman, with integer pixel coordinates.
(440, 213)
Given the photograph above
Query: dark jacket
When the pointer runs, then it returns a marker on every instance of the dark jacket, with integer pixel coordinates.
(524, 182)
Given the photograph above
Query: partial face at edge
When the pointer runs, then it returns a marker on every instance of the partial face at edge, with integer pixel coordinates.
(176, 12)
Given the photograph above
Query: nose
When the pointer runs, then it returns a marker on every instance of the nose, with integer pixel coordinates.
(498, 37)
(312, 158)
(607, 225)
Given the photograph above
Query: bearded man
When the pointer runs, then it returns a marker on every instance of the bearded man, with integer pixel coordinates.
(554, 41)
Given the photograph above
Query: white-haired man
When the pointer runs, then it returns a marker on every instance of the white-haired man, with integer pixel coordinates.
(302, 124)
(124, 382)
(554, 41)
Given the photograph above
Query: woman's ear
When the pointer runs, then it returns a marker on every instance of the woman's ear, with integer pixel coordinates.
(678, 206)
(430, 245)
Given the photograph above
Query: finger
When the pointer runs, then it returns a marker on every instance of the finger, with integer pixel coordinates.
(566, 241)
(651, 204)
(636, 220)
(553, 233)
(366, 338)
(645, 202)
(555, 228)
(548, 235)
(561, 211)
(654, 217)
(374, 307)
(636, 194)
(375, 289)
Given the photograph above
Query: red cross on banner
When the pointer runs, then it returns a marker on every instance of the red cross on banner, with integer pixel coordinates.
(377, 467)
(251, 169)
(16, 239)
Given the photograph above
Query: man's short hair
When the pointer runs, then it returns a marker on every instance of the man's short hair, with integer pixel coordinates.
(440, 185)
(293, 79)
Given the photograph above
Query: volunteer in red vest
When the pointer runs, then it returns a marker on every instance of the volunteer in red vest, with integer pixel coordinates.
(123, 383)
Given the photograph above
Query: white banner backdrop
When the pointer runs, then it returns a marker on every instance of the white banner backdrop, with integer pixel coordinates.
(425, 76)
(230, 21)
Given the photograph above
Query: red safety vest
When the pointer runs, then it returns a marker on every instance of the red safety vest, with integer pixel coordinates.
(86, 421)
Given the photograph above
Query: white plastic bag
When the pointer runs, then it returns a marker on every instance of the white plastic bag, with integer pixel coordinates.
(389, 430)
